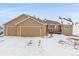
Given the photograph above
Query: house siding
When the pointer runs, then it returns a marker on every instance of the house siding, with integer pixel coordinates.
(11, 31)
(67, 29)
(31, 26)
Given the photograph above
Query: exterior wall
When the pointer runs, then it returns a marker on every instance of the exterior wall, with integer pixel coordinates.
(43, 30)
(54, 28)
(10, 31)
(67, 29)
(18, 30)
(30, 28)
(29, 22)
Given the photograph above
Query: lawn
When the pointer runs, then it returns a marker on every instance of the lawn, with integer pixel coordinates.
(37, 46)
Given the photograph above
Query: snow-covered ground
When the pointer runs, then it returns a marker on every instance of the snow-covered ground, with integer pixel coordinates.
(18, 46)
(58, 45)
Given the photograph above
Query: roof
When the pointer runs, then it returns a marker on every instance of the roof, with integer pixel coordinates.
(38, 19)
(52, 22)
(47, 21)
(65, 22)
(24, 17)
(34, 18)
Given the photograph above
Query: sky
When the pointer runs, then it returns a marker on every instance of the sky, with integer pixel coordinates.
(51, 11)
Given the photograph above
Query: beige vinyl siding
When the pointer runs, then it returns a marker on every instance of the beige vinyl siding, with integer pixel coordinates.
(11, 31)
(67, 29)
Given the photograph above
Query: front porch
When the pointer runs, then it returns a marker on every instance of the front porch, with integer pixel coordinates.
(53, 29)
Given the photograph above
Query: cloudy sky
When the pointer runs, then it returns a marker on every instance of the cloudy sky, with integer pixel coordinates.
(43, 10)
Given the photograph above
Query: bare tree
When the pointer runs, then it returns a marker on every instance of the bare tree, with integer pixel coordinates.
(34, 17)
(61, 19)
(45, 19)
(67, 19)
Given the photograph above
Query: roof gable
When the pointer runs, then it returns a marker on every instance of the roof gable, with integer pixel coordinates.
(20, 19)
(17, 19)
(29, 22)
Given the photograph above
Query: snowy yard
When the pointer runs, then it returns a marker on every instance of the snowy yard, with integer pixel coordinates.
(40, 46)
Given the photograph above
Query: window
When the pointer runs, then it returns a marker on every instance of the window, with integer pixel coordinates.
(55, 26)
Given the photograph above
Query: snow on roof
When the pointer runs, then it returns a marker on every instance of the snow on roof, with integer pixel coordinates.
(52, 22)
(65, 22)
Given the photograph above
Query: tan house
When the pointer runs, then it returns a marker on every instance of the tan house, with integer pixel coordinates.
(25, 25)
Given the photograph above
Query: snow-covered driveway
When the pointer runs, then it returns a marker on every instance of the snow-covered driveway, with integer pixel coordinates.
(16, 46)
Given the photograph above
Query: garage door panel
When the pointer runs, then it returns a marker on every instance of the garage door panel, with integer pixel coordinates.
(30, 31)
(11, 31)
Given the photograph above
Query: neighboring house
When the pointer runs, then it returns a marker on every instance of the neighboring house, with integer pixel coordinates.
(28, 26)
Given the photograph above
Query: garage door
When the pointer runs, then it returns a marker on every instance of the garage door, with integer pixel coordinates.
(11, 31)
(30, 31)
